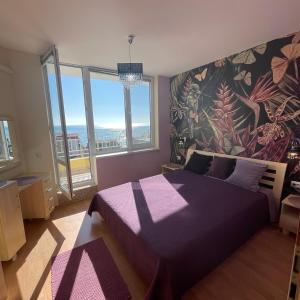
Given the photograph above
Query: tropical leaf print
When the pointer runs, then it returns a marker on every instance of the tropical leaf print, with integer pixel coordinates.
(264, 90)
(178, 111)
(296, 38)
(220, 63)
(278, 116)
(224, 109)
(247, 104)
(270, 132)
(274, 151)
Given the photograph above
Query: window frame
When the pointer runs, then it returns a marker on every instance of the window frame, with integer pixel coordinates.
(127, 110)
(6, 164)
(151, 144)
(90, 129)
(86, 77)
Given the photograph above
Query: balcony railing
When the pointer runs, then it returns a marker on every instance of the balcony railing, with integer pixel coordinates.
(106, 143)
(83, 152)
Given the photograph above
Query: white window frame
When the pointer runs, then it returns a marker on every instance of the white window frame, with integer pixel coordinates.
(127, 110)
(86, 70)
(6, 164)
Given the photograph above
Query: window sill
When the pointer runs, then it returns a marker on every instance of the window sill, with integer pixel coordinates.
(125, 153)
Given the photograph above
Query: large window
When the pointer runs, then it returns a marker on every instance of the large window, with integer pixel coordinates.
(109, 113)
(91, 113)
(122, 118)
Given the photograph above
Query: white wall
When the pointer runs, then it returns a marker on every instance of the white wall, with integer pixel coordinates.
(29, 110)
(32, 112)
(8, 109)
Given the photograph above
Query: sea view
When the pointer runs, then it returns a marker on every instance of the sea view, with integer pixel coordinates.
(106, 134)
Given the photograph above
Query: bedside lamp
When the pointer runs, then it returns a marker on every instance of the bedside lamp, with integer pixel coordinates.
(294, 151)
(292, 183)
(180, 144)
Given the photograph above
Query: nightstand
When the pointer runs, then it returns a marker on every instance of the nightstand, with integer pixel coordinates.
(290, 212)
(294, 290)
(170, 167)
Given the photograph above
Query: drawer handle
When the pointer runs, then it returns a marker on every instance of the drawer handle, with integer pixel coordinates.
(48, 190)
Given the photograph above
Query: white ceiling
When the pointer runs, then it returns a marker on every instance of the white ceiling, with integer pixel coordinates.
(172, 35)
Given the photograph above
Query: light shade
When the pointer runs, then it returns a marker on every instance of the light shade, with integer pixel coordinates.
(130, 73)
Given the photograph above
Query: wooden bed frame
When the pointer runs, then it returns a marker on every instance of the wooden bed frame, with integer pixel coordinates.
(273, 177)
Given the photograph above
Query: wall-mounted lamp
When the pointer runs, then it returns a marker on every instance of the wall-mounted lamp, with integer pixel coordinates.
(294, 151)
(180, 145)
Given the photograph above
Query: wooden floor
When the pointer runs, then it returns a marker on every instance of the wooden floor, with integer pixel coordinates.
(258, 270)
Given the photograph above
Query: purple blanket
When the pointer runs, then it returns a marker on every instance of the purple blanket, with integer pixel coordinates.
(177, 227)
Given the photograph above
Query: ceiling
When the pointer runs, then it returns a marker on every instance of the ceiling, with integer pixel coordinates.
(172, 35)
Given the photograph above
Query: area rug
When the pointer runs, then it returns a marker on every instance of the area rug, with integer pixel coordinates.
(87, 272)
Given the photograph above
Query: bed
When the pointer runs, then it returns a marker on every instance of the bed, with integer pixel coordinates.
(175, 228)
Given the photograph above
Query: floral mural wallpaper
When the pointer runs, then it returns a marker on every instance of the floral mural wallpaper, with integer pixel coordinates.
(247, 104)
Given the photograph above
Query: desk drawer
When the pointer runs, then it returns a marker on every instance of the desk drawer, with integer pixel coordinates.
(51, 203)
(46, 182)
(35, 198)
(48, 191)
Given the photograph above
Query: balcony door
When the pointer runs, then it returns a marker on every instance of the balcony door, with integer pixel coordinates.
(51, 70)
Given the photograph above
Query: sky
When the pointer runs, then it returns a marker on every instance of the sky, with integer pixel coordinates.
(107, 101)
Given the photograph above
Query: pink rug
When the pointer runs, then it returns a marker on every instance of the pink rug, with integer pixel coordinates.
(87, 272)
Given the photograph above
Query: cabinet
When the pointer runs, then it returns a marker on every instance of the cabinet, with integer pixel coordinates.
(290, 212)
(38, 198)
(170, 167)
(294, 287)
(12, 233)
(3, 289)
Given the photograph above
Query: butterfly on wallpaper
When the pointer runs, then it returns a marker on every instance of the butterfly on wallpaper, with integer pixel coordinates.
(245, 76)
(247, 57)
(280, 65)
(202, 75)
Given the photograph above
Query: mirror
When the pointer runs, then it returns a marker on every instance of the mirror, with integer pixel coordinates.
(8, 152)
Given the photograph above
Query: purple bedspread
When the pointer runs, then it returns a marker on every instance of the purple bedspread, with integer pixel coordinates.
(177, 227)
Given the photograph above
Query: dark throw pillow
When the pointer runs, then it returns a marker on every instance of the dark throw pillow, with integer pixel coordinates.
(198, 163)
(221, 167)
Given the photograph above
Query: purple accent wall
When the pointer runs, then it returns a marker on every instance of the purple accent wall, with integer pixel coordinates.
(118, 169)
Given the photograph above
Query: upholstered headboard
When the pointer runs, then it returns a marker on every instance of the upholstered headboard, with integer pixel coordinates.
(273, 177)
